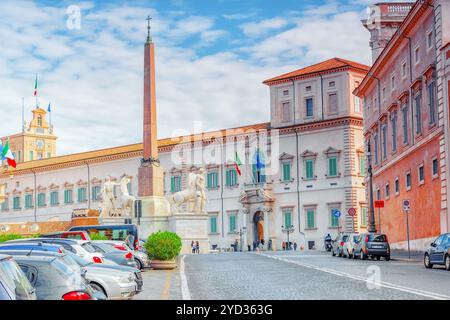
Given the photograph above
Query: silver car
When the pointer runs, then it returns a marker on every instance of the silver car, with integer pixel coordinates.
(349, 245)
(140, 257)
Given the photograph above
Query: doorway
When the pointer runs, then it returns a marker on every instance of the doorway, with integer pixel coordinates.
(258, 229)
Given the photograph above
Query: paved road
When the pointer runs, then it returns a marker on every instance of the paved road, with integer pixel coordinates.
(309, 275)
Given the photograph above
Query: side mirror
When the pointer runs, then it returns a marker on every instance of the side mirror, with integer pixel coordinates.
(433, 244)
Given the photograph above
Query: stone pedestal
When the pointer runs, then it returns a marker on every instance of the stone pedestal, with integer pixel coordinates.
(191, 227)
(155, 206)
(151, 181)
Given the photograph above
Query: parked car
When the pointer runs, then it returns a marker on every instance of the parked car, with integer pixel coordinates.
(112, 283)
(438, 252)
(373, 245)
(121, 289)
(338, 244)
(140, 257)
(113, 232)
(77, 235)
(53, 278)
(349, 245)
(83, 248)
(14, 284)
(123, 258)
(31, 246)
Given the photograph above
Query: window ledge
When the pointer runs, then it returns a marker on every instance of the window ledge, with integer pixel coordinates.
(214, 233)
(421, 183)
(312, 229)
(435, 176)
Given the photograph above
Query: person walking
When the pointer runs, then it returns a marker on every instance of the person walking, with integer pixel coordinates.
(283, 245)
(197, 246)
(249, 247)
(269, 245)
(193, 246)
(295, 246)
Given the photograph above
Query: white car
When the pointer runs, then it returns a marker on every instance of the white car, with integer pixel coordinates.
(81, 248)
(140, 257)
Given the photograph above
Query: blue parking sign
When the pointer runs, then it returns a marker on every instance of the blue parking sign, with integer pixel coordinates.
(337, 213)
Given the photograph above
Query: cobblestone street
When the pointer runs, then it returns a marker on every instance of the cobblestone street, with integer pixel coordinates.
(309, 275)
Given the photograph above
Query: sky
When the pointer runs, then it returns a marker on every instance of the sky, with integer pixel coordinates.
(211, 59)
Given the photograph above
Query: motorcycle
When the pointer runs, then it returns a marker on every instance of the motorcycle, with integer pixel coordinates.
(328, 245)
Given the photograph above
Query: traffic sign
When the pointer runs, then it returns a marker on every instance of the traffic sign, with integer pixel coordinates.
(351, 212)
(379, 203)
(337, 213)
(406, 205)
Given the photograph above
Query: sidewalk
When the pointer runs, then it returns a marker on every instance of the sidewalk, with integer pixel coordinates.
(402, 255)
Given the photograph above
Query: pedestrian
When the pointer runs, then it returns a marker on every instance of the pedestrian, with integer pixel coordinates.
(193, 246)
(197, 246)
(255, 245)
(249, 247)
(283, 245)
(295, 246)
(236, 243)
(269, 245)
(129, 240)
(261, 246)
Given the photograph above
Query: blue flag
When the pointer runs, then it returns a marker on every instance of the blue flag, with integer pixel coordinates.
(259, 163)
(49, 108)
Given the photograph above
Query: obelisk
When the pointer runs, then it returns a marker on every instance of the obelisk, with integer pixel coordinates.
(151, 184)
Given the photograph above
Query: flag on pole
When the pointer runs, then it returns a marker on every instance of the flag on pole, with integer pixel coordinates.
(49, 108)
(8, 155)
(259, 163)
(35, 86)
(237, 163)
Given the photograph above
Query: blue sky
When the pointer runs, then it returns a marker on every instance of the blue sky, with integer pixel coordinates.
(211, 59)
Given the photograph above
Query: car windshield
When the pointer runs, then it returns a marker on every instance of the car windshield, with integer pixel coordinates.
(104, 248)
(71, 263)
(344, 238)
(377, 238)
(16, 279)
(66, 272)
(80, 261)
(88, 247)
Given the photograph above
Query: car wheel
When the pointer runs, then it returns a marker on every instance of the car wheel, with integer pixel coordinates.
(340, 254)
(378, 258)
(387, 258)
(97, 287)
(427, 262)
(354, 255)
(139, 264)
(447, 262)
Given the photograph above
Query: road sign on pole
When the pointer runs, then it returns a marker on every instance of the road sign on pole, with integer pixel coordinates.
(351, 212)
(379, 203)
(406, 209)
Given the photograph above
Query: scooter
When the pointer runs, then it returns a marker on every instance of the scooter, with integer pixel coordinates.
(328, 245)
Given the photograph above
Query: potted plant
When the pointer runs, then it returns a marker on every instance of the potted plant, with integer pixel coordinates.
(163, 248)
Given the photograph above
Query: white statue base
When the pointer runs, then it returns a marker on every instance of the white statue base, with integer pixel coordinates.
(191, 227)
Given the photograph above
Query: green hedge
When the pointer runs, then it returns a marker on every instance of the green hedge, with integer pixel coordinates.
(163, 245)
(11, 236)
(98, 236)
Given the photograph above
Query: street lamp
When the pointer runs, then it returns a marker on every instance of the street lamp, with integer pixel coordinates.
(288, 230)
(372, 228)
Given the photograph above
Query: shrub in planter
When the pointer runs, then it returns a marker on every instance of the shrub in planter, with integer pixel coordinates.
(163, 246)
(10, 236)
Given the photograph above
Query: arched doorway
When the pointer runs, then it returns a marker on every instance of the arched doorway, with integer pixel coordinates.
(258, 229)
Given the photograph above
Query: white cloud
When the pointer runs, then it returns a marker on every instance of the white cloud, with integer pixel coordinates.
(93, 76)
(254, 29)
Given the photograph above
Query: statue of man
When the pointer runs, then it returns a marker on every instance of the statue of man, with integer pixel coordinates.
(200, 190)
(108, 205)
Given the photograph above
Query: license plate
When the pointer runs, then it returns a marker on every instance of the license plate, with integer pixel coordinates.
(377, 247)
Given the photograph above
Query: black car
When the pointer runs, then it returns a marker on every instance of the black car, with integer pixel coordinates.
(438, 252)
(14, 285)
(372, 245)
(53, 278)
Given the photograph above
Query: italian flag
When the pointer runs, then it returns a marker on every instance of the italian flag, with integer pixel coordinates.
(35, 86)
(237, 163)
(8, 155)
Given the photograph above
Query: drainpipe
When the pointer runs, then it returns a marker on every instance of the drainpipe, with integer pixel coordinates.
(35, 200)
(221, 186)
(298, 168)
(321, 95)
(88, 184)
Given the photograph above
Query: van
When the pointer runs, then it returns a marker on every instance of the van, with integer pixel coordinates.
(118, 232)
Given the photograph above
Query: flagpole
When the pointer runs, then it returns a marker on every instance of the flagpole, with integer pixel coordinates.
(36, 91)
(23, 114)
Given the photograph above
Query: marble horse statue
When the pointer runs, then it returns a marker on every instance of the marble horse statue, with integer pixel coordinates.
(195, 193)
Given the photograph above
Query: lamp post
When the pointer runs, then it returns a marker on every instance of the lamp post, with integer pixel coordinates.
(288, 230)
(372, 228)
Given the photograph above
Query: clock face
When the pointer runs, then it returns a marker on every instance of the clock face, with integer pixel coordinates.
(40, 144)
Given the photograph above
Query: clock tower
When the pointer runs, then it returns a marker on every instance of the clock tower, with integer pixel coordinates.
(37, 140)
